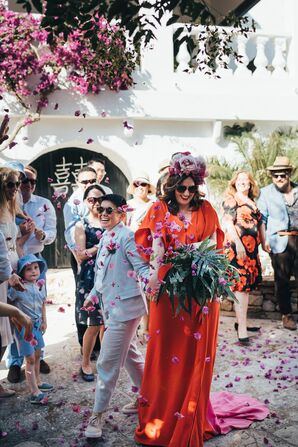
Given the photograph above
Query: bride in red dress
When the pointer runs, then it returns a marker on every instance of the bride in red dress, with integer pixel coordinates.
(174, 405)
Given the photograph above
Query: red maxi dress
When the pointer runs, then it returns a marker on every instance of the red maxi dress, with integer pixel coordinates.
(175, 410)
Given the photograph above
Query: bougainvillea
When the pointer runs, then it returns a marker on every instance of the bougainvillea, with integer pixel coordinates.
(31, 69)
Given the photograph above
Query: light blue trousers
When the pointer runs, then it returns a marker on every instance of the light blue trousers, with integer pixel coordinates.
(118, 349)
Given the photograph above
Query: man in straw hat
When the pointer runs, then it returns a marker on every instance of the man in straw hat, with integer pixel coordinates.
(278, 204)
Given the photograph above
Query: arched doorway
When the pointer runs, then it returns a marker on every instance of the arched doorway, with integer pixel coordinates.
(57, 171)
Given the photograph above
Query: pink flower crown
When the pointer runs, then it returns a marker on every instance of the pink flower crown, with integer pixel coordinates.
(185, 163)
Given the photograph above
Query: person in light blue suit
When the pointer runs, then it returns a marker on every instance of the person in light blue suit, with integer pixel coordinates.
(119, 274)
(278, 203)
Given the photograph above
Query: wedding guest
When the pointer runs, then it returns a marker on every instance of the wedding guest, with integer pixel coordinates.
(119, 270)
(99, 165)
(244, 228)
(41, 230)
(278, 203)
(140, 187)
(87, 235)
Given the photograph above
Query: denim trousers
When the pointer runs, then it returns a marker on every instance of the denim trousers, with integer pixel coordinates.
(118, 349)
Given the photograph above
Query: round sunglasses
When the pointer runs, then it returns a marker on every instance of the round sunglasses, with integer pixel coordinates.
(108, 210)
(143, 184)
(191, 189)
(93, 200)
(284, 175)
(29, 180)
(86, 182)
(11, 185)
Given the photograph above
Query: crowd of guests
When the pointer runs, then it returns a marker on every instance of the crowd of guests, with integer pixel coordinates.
(117, 247)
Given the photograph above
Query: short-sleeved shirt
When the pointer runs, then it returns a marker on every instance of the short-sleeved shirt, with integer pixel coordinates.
(30, 301)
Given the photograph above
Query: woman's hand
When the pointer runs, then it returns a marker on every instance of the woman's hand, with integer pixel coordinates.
(22, 320)
(16, 282)
(240, 250)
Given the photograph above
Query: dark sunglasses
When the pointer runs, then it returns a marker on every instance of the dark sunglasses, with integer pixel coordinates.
(136, 184)
(11, 185)
(93, 200)
(86, 182)
(279, 175)
(191, 189)
(29, 180)
(108, 210)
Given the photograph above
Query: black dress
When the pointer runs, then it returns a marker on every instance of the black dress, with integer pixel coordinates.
(85, 281)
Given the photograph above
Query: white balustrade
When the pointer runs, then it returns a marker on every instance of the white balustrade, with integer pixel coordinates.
(279, 61)
(267, 53)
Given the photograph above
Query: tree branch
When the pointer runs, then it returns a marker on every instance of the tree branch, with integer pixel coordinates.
(28, 119)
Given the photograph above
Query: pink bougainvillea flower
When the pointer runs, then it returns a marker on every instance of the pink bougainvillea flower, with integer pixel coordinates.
(49, 302)
(50, 180)
(94, 299)
(197, 335)
(76, 202)
(61, 309)
(33, 342)
(56, 106)
(131, 274)
(205, 310)
(90, 140)
(40, 283)
(107, 180)
(81, 129)
(134, 389)
(77, 113)
(175, 360)
(178, 415)
(76, 408)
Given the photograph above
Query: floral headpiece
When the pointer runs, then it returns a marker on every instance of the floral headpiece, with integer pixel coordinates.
(185, 163)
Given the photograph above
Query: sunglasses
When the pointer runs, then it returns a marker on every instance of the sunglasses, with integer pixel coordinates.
(143, 184)
(11, 185)
(191, 189)
(93, 200)
(86, 182)
(29, 180)
(280, 175)
(108, 210)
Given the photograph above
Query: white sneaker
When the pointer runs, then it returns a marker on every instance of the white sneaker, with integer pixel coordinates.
(94, 429)
(131, 408)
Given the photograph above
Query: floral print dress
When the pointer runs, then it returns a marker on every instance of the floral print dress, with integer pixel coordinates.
(246, 219)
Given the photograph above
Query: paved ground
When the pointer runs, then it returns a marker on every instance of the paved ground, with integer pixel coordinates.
(267, 370)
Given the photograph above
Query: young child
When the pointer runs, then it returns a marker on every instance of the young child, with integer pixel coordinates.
(32, 302)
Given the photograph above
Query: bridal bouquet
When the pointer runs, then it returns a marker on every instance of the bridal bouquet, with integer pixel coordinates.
(197, 275)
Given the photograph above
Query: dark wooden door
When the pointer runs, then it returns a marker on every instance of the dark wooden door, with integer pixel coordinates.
(57, 172)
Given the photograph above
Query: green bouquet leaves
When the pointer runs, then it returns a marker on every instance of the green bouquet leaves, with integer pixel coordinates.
(197, 275)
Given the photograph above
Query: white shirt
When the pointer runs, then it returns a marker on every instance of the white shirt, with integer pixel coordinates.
(43, 214)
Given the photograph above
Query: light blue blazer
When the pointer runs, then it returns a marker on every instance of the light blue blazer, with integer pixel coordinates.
(120, 276)
(275, 216)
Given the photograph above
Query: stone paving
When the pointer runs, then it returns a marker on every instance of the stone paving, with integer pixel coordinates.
(267, 370)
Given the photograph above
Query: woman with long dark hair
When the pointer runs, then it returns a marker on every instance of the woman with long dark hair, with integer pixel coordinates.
(174, 407)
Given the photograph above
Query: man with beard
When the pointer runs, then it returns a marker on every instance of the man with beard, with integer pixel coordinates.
(278, 204)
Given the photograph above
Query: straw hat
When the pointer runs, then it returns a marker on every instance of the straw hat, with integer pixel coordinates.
(281, 164)
(163, 165)
(142, 177)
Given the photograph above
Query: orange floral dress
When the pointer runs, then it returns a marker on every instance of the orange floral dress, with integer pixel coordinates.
(181, 350)
(246, 219)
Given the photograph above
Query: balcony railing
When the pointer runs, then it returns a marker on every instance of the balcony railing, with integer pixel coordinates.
(261, 55)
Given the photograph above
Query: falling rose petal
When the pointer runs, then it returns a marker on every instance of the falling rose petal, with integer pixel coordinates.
(134, 389)
(77, 113)
(33, 342)
(49, 302)
(107, 180)
(84, 115)
(131, 274)
(205, 310)
(76, 201)
(81, 129)
(56, 106)
(98, 234)
(61, 309)
(3, 434)
(94, 299)
(40, 283)
(207, 359)
(103, 114)
(50, 180)
(89, 141)
(197, 335)
(12, 144)
(76, 408)
(175, 360)
(178, 415)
